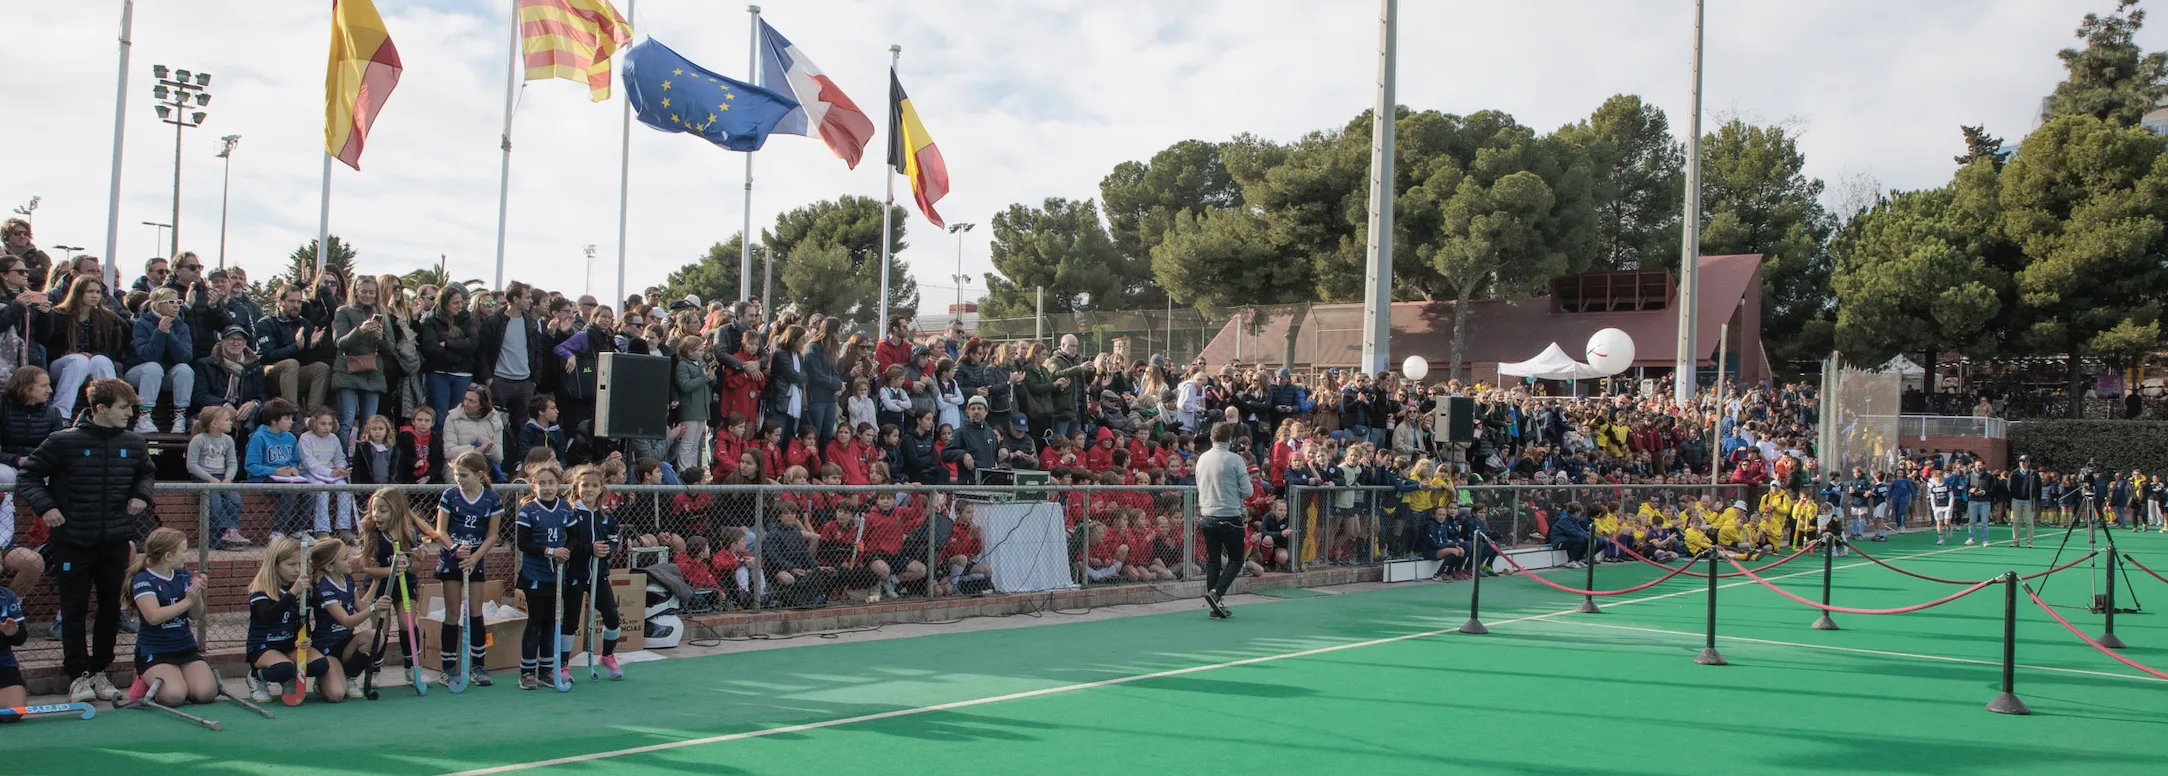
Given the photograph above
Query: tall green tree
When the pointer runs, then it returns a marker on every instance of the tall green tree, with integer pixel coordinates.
(1758, 199)
(714, 276)
(1980, 145)
(852, 223)
(1062, 247)
(1913, 277)
(1140, 200)
(2087, 204)
(2111, 78)
(301, 264)
(1638, 185)
(1512, 213)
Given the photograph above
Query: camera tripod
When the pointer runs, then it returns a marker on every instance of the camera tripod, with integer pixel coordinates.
(2089, 512)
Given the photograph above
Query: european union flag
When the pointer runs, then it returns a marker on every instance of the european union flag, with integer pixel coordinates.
(672, 94)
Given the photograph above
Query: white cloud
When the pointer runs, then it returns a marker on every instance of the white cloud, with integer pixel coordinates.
(1026, 99)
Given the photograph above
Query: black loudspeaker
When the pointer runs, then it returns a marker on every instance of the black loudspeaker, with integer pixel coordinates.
(1459, 414)
(632, 396)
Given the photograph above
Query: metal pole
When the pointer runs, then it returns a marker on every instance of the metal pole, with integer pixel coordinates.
(760, 518)
(1474, 625)
(173, 250)
(225, 198)
(323, 216)
(120, 123)
(745, 241)
(504, 174)
(2107, 637)
(888, 205)
(1588, 560)
(1189, 533)
(1829, 563)
(2007, 702)
(1295, 518)
(1709, 656)
(1716, 443)
(1038, 314)
(1378, 259)
(203, 560)
(624, 176)
(1690, 240)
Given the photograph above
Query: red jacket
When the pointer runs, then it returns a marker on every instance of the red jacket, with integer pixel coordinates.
(1140, 545)
(727, 449)
(885, 530)
(741, 394)
(888, 353)
(696, 573)
(962, 542)
(800, 455)
(852, 458)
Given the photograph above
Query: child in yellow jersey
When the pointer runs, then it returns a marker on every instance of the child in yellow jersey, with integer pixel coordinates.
(1696, 536)
(1802, 516)
(1777, 501)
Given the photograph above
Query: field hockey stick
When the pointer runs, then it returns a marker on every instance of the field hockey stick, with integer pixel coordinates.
(84, 710)
(148, 701)
(562, 679)
(458, 681)
(594, 577)
(228, 695)
(383, 624)
(298, 689)
(413, 642)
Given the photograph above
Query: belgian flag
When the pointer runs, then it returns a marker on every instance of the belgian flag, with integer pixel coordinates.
(912, 153)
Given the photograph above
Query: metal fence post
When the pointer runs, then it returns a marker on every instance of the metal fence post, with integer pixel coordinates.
(1295, 518)
(1376, 526)
(1513, 503)
(1189, 533)
(756, 579)
(933, 543)
(1084, 564)
(203, 562)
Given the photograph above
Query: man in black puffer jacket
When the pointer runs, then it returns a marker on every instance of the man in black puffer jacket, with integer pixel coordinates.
(89, 483)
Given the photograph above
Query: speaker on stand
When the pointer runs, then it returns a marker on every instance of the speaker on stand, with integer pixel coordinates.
(632, 396)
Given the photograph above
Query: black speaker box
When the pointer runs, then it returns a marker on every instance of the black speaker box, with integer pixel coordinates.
(632, 396)
(1459, 419)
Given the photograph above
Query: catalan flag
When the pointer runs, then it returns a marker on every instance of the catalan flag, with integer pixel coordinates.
(364, 69)
(572, 40)
(912, 153)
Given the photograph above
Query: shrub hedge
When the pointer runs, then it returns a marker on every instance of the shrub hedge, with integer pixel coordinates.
(2114, 445)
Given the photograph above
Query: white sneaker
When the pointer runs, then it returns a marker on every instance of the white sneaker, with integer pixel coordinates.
(104, 687)
(143, 423)
(1968, 542)
(353, 691)
(180, 421)
(80, 691)
(258, 691)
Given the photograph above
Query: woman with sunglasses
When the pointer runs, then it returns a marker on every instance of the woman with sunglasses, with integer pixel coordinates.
(35, 263)
(447, 346)
(403, 375)
(24, 315)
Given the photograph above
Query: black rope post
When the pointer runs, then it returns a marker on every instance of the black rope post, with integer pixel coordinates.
(1588, 557)
(1709, 656)
(2007, 702)
(1829, 563)
(1474, 625)
(2107, 637)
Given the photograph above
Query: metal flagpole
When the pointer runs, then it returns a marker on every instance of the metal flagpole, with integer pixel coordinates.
(120, 122)
(323, 218)
(745, 238)
(1378, 273)
(504, 176)
(888, 206)
(1682, 383)
(624, 176)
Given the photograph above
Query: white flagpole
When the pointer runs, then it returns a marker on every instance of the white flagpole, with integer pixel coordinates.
(888, 205)
(323, 220)
(120, 125)
(745, 239)
(1682, 382)
(504, 176)
(624, 174)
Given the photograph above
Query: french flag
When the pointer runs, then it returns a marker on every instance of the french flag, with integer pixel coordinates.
(822, 106)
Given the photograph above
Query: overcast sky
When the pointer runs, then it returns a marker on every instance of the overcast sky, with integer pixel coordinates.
(1027, 100)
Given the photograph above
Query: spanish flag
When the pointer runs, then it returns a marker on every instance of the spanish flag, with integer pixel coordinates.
(364, 69)
(912, 153)
(572, 40)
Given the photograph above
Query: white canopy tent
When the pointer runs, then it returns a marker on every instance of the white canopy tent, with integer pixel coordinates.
(1551, 364)
(1911, 374)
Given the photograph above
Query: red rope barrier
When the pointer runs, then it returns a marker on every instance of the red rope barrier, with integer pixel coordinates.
(1727, 575)
(2141, 567)
(2157, 674)
(1849, 610)
(2039, 574)
(1577, 591)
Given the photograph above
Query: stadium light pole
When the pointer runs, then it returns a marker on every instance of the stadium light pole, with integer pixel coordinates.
(960, 278)
(1378, 272)
(120, 123)
(225, 193)
(158, 235)
(70, 250)
(28, 209)
(181, 97)
(1682, 383)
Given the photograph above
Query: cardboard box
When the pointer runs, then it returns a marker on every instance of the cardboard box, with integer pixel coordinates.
(631, 590)
(504, 624)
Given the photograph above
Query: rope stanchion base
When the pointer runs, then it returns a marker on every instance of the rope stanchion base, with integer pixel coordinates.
(1588, 606)
(2008, 703)
(1710, 657)
(1825, 623)
(1474, 627)
(2110, 641)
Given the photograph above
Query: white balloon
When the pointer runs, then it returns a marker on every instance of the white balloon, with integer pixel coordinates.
(1415, 368)
(1610, 351)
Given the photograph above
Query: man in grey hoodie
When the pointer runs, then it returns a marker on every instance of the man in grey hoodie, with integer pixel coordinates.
(1222, 482)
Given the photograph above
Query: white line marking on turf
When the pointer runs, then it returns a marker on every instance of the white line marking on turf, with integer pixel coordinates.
(800, 728)
(1857, 650)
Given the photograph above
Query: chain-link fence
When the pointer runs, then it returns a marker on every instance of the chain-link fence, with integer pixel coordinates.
(1364, 525)
(1865, 424)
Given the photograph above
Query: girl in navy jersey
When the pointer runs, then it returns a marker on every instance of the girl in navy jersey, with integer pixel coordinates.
(595, 542)
(273, 653)
(391, 523)
(342, 608)
(13, 632)
(541, 532)
(167, 597)
(469, 515)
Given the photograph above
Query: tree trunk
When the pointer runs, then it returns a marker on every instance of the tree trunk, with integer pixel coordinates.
(1460, 332)
(1297, 316)
(1929, 384)
(2075, 386)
